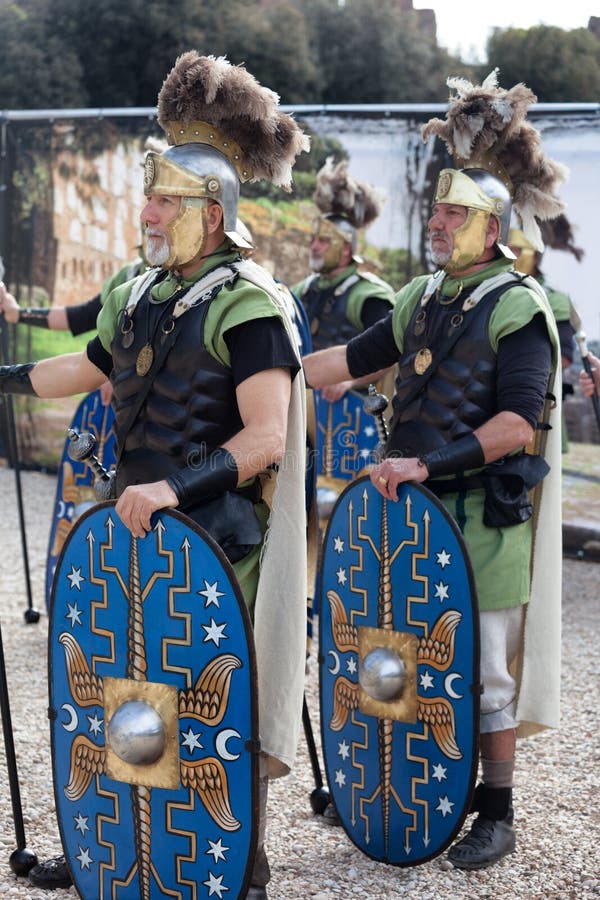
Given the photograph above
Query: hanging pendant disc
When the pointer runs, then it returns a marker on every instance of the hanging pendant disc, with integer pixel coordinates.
(423, 360)
(144, 360)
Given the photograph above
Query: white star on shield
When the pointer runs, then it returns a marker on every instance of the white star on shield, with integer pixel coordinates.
(444, 806)
(74, 614)
(441, 591)
(439, 772)
(338, 544)
(81, 823)
(340, 778)
(211, 593)
(341, 576)
(85, 860)
(75, 577)
(215, 885)
(443, 558)
(214, 632)
(217, 850)
(191, 740)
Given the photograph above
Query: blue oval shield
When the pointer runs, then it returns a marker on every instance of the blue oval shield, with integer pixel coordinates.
(154, 715)
(399, 672)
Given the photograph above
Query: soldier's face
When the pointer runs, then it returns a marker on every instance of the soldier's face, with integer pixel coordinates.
(159, 210)
(325, 253)
(444, 221)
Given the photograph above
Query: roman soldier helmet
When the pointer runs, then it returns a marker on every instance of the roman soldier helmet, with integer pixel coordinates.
(223, 128)
(345, 205)
(500, 166)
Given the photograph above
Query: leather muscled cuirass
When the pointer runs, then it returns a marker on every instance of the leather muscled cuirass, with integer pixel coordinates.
(191, 407)
(459, 396)
(326, 311)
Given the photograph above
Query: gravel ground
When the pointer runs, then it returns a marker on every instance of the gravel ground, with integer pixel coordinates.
(558, 780)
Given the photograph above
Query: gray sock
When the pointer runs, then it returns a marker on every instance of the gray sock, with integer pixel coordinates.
(498, 773)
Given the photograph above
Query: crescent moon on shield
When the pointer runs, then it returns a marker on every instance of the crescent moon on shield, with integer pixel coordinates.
(448, 685)
(336, 665)
(71, 725)
(61, 509)
(221, 743)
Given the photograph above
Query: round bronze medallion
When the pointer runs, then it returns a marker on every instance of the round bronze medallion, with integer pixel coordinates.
(423, 360)
(144, 360)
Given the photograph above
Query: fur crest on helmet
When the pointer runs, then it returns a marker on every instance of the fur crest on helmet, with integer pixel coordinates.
(338, 194)
(211, 89)
(558, 234)
(486, 121)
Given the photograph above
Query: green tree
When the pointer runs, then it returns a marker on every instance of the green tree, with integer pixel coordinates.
(37, 69)
(559, 66)
(372, 51)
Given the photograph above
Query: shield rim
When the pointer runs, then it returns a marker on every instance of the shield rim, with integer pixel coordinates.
(475, 689)
(252, 666)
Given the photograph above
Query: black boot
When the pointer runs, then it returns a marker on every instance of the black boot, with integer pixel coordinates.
(51, 874)
(492, 835)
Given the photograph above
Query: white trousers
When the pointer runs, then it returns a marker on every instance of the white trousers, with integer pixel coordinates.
(500, 635)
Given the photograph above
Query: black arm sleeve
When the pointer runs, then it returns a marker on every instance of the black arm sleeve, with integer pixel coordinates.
(374, 309)
(99, 356)
(524, 363)
(372, 350)
(565, 336)
(83, 317)
(257, 345)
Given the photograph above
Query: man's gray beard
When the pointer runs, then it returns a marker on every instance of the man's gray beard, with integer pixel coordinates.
(316, 263)
(157, 250)
(441, 257)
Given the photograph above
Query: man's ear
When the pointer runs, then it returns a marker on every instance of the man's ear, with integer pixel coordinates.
(346, 254)
(492, 232)
(214, 216)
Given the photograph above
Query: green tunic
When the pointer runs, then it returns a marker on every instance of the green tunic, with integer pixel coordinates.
(235, 304)
(500, 556)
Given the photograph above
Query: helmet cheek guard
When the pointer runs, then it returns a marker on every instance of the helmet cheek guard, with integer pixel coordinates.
(484, 195)
(197, 173)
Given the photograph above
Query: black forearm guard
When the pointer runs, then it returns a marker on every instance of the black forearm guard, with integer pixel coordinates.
(38, 316)
(16, 380)
(214, 474)
(457, 456)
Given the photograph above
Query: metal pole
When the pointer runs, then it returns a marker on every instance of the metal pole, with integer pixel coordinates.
(31, 614)
(320, 797)
(22, 859)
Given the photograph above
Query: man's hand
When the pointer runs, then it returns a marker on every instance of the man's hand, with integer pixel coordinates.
(387, 475)
(138, 501)
(334, 392)
(8, 305)
(590, 384)
(106, 393)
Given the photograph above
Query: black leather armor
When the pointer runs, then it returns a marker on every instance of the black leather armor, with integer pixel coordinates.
(326, 313)
(459, 396)
(190, 409)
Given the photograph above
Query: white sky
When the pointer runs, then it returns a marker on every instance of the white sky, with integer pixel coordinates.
(467, 24)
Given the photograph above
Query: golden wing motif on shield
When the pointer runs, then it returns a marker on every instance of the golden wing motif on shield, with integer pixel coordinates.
(87, 760)
(345, 698)
(207, 777)
(86, 687)
(437, 649)
(437, 712)
(207, 700)
(345, 635)
(60, 535)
